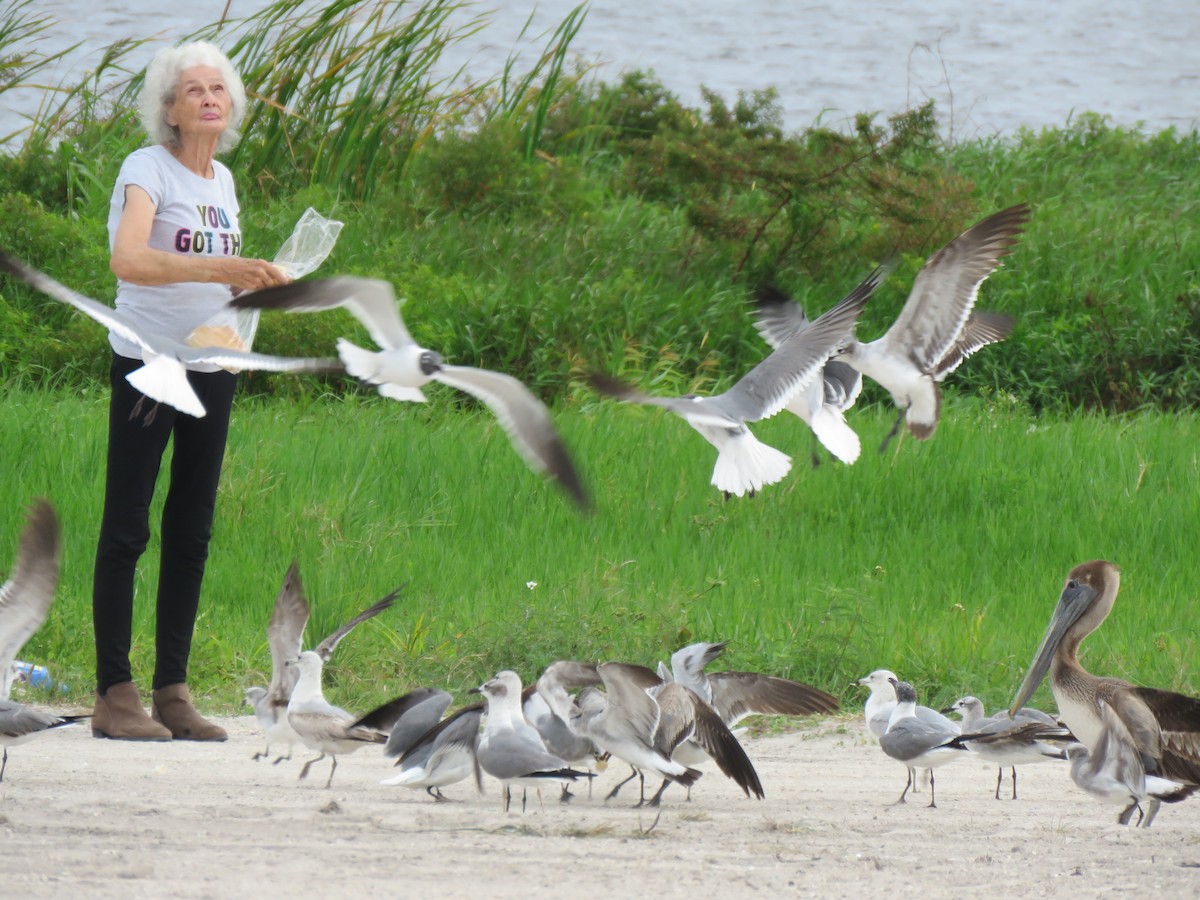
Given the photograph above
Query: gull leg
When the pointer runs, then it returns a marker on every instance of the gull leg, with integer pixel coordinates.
(280, 758)
(932, 792)
(505, 798)
(566, 796)
(907, 785)
(262, 754)
(895, 430)
(1151, 812)
(657, 798)
(1014, 796)
(308, 765)
(1127, 813)
(4, 764)
(633, 773)
(1000, 780)
(332, 769)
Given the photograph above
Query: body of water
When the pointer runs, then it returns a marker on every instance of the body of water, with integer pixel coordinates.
(991, 66)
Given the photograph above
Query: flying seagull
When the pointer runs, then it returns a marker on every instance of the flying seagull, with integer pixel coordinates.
(822, 405)
(937, 328)
(402, 367)
(163, 378)
(285, 635)
(744, 464)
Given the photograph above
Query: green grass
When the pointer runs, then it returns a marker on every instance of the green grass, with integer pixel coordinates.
(940, 560)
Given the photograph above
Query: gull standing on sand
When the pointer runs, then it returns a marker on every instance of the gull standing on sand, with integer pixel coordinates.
(285, 636)
(25, 600)
(510, 749)
(915, 742)
(1000, 739)
(403, 367)
(1113, 772)
(736, 695)
(326, 728)
(881, 702)
(626, 724)
(744, 464)
(444, 755)
(937, 328)
(163, 378)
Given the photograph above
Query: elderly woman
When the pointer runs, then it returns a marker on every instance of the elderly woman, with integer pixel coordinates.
(176, 252)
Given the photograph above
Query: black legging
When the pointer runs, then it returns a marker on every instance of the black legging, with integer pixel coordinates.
(135, 452)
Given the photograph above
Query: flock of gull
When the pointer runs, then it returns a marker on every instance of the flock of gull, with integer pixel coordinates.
(1124, 744)
(814, 369)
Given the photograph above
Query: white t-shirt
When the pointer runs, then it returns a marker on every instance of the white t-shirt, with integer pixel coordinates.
(195, 217)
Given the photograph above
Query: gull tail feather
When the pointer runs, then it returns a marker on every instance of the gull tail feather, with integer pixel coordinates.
(163, 379)
(745, 465)
(835, 435)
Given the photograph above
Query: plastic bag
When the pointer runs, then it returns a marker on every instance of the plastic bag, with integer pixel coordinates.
(310, 242)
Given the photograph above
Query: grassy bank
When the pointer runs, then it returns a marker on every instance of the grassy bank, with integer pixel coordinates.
(942, 560)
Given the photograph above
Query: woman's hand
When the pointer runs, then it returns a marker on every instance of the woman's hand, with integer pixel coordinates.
(134, 261)
(248, 274)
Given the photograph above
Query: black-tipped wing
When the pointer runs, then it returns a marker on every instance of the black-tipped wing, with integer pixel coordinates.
(770, 385)
(371, 300)
(777, 316)
(946, 287)
(524, 419)
(740, 694)
(981, 328)
(326, 647)
(285, 636)
(415, 713)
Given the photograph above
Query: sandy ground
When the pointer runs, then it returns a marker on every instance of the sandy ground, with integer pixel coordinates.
(80, 816)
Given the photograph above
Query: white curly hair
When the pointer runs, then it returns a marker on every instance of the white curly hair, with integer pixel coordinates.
(162, 80)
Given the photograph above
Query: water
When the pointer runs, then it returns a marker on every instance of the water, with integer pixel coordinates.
(991, 66)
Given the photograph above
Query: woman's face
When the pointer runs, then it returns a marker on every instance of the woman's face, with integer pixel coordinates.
(202, 103)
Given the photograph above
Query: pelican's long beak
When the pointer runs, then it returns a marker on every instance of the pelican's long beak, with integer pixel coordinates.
(1075, 600)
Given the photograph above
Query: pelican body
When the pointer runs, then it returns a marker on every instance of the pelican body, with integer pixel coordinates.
(1164, 726)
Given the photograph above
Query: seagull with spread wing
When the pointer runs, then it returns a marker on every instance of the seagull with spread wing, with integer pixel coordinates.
(285, 635)
(402, 367)
(745, 464)
(163, 378)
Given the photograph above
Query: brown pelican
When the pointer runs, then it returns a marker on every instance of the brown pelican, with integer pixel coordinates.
(1164, 726)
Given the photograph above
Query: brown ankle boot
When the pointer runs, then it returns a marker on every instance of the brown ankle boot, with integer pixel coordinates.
(119, 715)
(173, 707)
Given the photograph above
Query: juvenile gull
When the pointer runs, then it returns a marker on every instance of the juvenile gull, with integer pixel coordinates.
(285, 635)
(510, 749)
(326, 728)
(936, 330)
(1113, 772)
(1000, 739)
(1164, 725)
(744, 464)
(403, 367)
(915, 742)
(163, 378)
